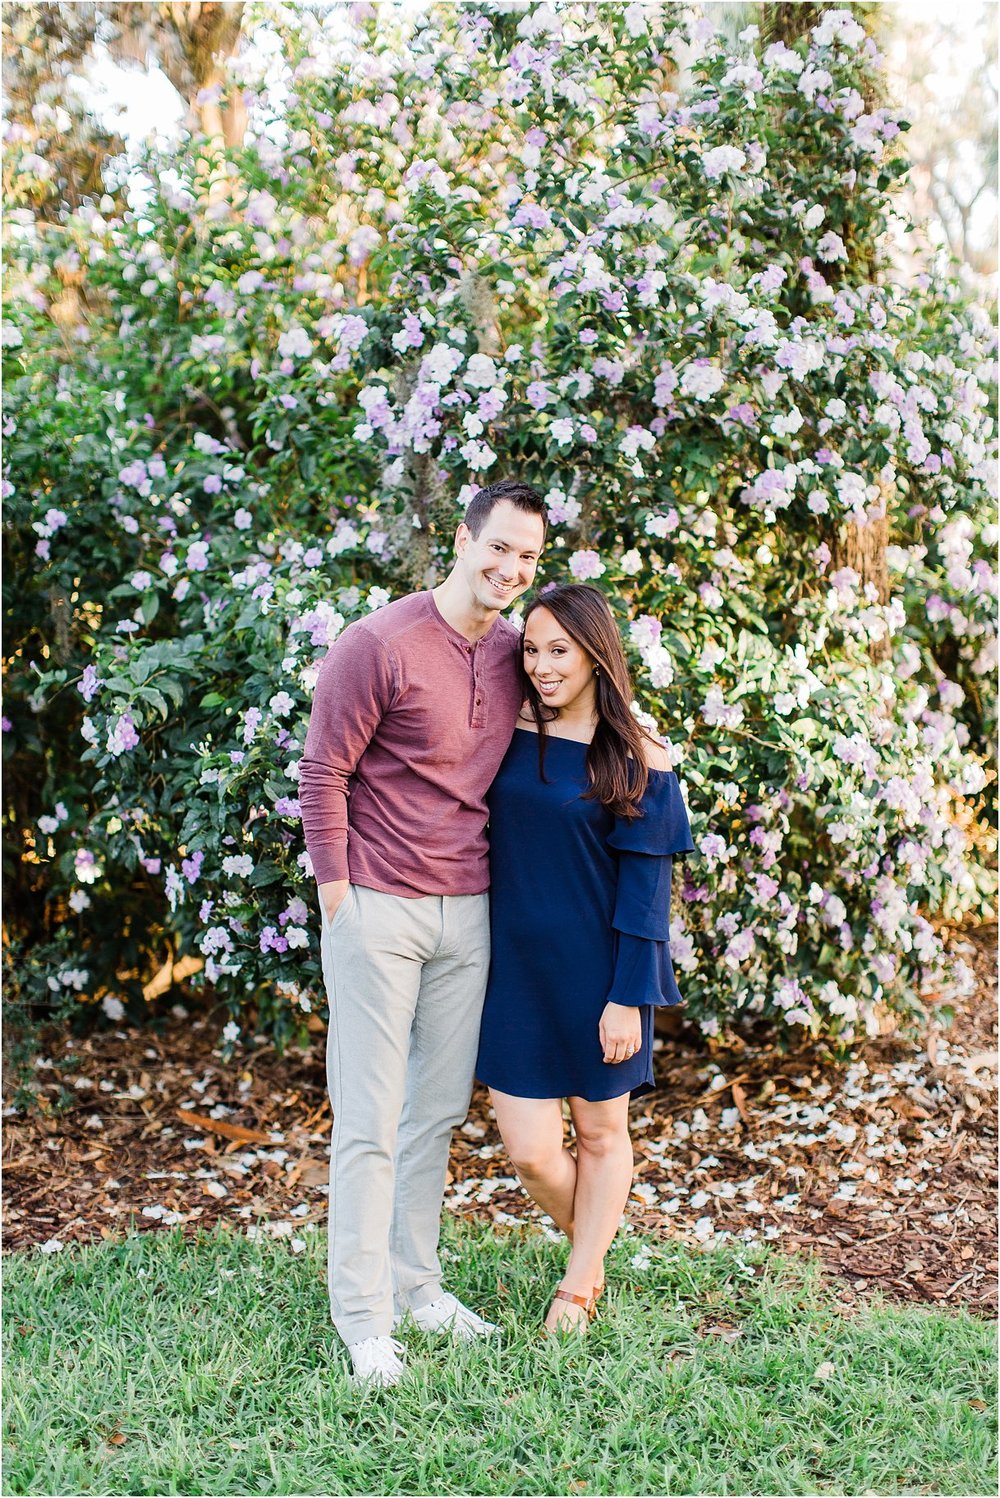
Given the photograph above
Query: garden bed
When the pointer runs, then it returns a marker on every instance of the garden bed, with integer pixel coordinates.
(883, 1167)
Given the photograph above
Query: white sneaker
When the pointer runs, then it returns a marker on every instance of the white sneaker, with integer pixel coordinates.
(377, 1360)
(447, 1314)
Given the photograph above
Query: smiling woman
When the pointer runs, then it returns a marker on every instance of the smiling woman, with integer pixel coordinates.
(581, 846)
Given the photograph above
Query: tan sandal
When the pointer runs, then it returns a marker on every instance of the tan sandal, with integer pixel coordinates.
(598, 1292)
(585, 1303)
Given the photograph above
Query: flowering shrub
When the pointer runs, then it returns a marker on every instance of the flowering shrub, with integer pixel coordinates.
(588, 246)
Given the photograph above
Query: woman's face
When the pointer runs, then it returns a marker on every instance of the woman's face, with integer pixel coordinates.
(560, 670)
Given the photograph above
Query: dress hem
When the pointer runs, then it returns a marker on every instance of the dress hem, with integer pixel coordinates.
(639, 1090)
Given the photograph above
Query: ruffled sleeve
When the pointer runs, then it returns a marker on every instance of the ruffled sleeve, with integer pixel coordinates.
(646, 849)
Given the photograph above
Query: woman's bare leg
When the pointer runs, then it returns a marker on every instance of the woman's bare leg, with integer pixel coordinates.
(604, 1165)
(532, 1132)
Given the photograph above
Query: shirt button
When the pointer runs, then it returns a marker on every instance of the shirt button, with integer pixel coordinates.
(478, 701)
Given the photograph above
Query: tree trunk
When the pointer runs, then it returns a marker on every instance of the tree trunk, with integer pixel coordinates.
(192, 41)
(862, 546)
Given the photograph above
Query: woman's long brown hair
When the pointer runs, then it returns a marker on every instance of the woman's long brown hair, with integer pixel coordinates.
(616, 757)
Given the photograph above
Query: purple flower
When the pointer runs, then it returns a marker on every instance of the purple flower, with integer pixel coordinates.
(585, 565)
(251, 723)
(89, 684)
(191, 867)
(270, 941)
(287, 806)
(134, 475)
(531, 216)
(122, 736)
(213, 484)
(261, 209)
(538, 394)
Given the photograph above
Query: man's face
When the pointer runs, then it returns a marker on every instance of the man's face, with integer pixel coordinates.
(499, 564)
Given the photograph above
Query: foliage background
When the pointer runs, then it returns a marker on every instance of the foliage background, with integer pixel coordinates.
(251, 380)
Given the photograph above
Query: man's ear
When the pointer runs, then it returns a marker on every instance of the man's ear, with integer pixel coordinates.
(462, 538)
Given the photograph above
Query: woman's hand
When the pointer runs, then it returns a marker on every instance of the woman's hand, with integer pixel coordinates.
(620, 1032)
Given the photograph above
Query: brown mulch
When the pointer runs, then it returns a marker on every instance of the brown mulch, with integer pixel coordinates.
(884, 1167)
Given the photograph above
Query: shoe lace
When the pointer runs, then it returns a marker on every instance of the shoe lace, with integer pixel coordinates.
(384, 1351)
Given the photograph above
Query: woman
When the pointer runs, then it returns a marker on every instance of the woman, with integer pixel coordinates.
(585, 815)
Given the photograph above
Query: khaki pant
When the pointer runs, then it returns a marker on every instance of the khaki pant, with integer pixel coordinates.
(405, 981)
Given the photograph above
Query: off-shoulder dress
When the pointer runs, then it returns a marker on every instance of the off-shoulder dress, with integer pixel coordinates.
(579, 914)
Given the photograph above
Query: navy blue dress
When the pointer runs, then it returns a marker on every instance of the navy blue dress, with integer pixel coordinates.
(579, 915)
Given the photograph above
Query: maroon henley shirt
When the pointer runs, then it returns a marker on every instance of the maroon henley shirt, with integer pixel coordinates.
(409, 725)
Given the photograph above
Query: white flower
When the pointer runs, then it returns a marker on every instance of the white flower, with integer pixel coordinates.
(635, 20)
(478, 455)
(281, 704)
(438, 366)
(238, 865)
(701, 381)
(79, 901)
(481, 372)
(782, 59)
(831, 247)
(722, 159)
(296, 937)
(243, 520)
(838, 26)
(659, 665)
(113, 1008)
(788, 423)
(295, 344)
(231, 1033)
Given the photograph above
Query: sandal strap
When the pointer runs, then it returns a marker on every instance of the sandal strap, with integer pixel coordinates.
(577, 1300)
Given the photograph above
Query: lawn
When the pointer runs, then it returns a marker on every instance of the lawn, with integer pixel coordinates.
(159, 1365)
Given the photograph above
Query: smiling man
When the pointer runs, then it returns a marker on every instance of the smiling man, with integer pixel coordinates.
(413, 712)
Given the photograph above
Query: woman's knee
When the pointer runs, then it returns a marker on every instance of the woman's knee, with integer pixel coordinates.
(600, 1130)
(535, 1160)
(533, 1157)
(532, 1134)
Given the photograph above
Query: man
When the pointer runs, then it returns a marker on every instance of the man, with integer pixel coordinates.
(413, 712)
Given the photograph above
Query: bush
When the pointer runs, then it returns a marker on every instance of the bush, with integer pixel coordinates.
(564, 247)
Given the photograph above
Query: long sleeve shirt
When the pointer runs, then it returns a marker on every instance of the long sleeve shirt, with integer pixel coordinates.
(409, 724)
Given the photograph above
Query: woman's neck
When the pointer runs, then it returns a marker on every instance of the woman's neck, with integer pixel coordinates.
(579, 723)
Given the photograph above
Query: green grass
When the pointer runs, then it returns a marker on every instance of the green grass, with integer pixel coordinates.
(158, 1366)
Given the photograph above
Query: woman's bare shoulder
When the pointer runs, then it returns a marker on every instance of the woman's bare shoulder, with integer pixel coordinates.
(657, 757)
